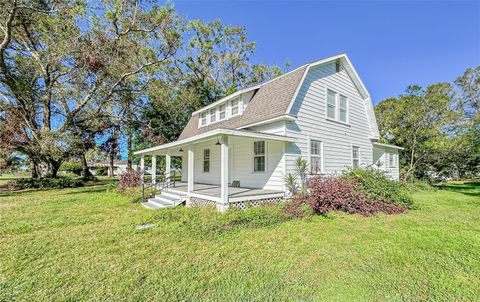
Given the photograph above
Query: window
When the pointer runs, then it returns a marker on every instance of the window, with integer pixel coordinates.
(259, 156)
(355, 157)
(222, 112)
(206, 160)
(331, 103)
(235, 107)
(391, 160)
(213, 115)
(343, 108)
(203, 118)
(315, 156)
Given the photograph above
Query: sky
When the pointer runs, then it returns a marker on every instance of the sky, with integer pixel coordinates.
(392, 44)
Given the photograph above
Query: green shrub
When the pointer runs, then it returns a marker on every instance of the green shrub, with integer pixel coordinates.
(45, 183)
(101, 172)
(378, 187)
(72, 167)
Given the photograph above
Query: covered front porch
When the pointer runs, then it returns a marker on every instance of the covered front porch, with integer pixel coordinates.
(235, 194)
(224, 167)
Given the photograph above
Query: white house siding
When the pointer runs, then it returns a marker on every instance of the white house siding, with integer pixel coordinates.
(380, 160)
(338, 139)
(241, 159)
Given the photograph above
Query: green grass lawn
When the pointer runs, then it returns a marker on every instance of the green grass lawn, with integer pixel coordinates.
(5, 177)
(81, 244)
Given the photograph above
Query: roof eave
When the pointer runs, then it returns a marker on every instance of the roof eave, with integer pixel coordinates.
(213, 133)
(387, 145)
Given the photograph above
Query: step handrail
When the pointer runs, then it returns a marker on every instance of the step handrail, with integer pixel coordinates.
(165, 184)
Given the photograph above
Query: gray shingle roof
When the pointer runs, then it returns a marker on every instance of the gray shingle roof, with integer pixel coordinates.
(269, 101)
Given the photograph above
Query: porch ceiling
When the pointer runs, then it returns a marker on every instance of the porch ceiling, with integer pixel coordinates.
(174, 147)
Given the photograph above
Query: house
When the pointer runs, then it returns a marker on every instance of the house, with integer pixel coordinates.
(119, 167)
(236, 151)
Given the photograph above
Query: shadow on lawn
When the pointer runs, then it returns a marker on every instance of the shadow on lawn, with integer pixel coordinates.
(91, 188)
(471, 188)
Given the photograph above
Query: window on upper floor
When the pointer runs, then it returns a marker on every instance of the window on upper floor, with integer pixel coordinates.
(213, 115)
(203, 118)
(235, 107)
(343, 109)
(315, 156)
(331, 103)
(222, 111)
(355, 157)
(259, 156)
(337, 106)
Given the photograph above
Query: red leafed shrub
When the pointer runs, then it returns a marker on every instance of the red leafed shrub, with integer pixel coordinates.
(334, 194)
(130, 179)
(298, 207)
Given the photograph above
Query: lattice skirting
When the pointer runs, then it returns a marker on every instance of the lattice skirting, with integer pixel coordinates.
(243, 205)
(198, 202)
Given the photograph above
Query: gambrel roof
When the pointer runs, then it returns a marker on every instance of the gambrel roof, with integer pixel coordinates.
(274, 99)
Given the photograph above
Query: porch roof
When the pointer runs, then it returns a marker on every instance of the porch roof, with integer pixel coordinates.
(211, 134)
(387, 145)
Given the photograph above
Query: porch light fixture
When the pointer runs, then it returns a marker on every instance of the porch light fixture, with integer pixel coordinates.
(217, 143)
(181, 150)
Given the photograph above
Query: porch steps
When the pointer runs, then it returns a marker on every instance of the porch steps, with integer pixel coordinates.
(164, 200)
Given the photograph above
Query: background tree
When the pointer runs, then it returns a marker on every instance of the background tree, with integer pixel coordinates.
(56, 76)
(436, 126)
(214, 61)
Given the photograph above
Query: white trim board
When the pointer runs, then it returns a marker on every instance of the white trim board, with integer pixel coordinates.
(387, 146)
(213, 133)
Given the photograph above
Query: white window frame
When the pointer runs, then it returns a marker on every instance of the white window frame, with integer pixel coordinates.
(237, 106)
(203, 119)
(391, 157)
(264, 155)
(311, 155)
(220, 111)
(206, 159)
(213, 114)
(335, 105)
(340, 108)
(358, 154)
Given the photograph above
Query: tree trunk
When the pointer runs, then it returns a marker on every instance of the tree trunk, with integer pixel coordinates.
(35, 168)
(129, 149)
(85, 170)
(54, 166)
(112, 157)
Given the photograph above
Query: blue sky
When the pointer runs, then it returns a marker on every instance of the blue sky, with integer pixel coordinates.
(391, 44)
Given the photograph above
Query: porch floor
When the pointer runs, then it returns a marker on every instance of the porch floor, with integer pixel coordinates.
(214, 190)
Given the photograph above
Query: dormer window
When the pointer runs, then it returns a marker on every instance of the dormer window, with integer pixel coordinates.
(213, 115)
(222, 112)
(235, 107)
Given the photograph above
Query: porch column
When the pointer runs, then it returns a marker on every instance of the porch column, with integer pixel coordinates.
(167, 168)
(142, 166)
(154, 169)
(190, 170)
(222, 206)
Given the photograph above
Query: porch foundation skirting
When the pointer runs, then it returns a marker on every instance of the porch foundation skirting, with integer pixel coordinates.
(243, 205)
(237, 205)
(194, 202)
